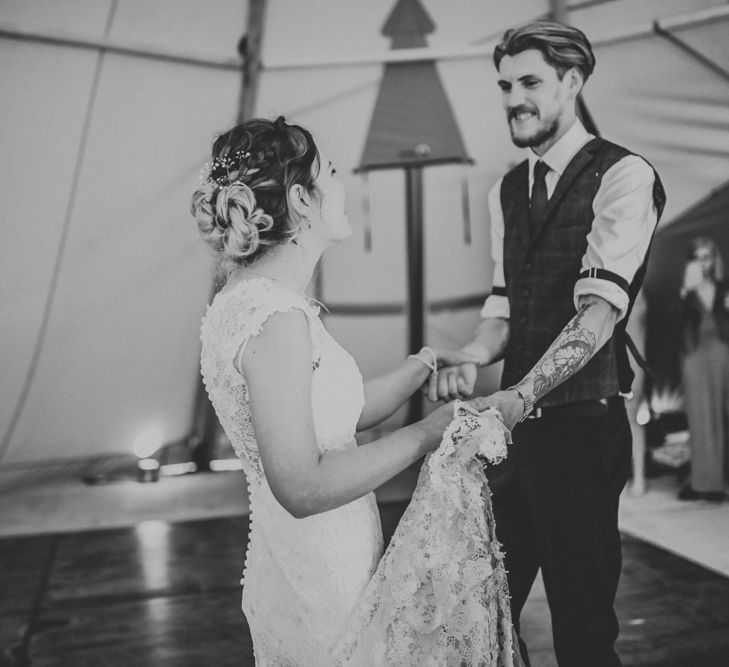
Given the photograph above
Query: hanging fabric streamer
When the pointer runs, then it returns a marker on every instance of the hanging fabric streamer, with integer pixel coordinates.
(366, 212)
(465, 207)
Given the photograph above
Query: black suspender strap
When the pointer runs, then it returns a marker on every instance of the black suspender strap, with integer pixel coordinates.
(639, 359)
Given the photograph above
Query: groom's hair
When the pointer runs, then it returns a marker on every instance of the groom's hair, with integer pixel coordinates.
(561, 45)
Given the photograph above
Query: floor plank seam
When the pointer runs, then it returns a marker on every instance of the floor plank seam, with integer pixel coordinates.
(91, 601)
(20, 651)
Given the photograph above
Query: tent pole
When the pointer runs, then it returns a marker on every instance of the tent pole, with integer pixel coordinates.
(586, 117)
(687, 48)
(559, 10)
(205, 423)
(250, 51)
(586, 4)
(416, 291)
(108, 45)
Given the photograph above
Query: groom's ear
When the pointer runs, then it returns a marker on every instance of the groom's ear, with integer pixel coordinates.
(575, 80)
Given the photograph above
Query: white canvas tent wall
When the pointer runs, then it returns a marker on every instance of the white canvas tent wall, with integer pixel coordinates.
(101, 149)
(118, 356)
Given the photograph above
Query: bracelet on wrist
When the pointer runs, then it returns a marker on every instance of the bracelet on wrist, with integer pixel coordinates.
(526, 400)
(432, 364)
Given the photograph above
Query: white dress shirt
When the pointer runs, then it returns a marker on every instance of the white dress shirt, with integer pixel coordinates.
(625, 217)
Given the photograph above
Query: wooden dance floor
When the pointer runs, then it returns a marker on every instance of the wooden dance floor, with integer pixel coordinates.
(164, 594)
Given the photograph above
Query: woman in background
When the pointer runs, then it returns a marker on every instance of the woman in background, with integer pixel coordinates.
(705, 368)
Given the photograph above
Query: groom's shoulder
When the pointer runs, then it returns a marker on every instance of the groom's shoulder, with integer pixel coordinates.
(517, 172)
(613, 152)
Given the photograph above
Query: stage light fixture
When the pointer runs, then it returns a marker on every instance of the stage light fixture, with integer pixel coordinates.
(147, 470)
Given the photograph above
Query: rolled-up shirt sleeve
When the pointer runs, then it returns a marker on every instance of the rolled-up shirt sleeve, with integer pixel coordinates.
(496, 304)
(624, 222)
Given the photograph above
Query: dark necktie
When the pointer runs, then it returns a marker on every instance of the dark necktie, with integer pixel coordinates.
(539, 200)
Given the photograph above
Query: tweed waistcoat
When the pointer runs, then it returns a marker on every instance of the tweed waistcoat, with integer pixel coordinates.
(541, 271)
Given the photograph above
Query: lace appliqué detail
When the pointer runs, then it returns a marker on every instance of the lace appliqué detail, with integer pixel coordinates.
(440, 594)
(231, 320)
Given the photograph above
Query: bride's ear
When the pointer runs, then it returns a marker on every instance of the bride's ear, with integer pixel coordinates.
(300, 202)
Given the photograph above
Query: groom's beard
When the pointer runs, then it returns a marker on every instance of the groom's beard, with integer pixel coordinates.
(539, 136)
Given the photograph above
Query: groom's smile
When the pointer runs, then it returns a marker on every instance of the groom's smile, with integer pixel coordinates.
(521, 114)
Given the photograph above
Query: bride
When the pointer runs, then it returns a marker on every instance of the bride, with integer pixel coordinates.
(316, 588)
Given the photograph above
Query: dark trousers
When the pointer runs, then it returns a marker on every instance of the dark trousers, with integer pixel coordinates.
(556, 507)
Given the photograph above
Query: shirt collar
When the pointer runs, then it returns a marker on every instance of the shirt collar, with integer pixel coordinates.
(563, 150)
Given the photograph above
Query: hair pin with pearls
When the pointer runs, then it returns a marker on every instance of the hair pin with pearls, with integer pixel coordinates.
(224, 164)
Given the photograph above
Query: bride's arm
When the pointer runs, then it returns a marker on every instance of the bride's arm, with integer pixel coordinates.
(487, 347)
(385, 394)
(277, 368)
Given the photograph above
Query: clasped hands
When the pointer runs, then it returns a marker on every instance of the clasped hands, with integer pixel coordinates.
(456, 378)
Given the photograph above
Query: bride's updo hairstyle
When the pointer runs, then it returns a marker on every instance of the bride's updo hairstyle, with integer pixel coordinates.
(241, 206)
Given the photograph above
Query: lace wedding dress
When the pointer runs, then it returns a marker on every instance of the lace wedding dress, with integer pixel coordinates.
(317, 591)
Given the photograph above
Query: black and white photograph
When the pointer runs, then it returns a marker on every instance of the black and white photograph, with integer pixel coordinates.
(385, 333)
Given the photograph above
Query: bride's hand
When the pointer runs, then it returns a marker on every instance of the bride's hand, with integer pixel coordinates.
(435, 423)
(456, 376)
(507, 402)
(452, 382)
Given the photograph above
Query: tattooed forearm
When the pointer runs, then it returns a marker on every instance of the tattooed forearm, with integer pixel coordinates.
(571, 350)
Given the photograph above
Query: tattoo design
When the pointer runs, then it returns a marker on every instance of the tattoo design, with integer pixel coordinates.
(574, 347)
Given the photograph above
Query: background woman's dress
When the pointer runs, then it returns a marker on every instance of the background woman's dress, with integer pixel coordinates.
(706, 388)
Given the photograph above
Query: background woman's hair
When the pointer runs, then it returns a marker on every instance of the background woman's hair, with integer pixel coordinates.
(241, 206)
(562, 46)
(717, 262)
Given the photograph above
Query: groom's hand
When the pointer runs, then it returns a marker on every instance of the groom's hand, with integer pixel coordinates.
(452, 382)
(508, 402)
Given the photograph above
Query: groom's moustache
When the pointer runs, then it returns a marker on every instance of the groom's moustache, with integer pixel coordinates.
(513, 111)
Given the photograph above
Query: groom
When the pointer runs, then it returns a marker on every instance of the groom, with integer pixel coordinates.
(570, 229)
